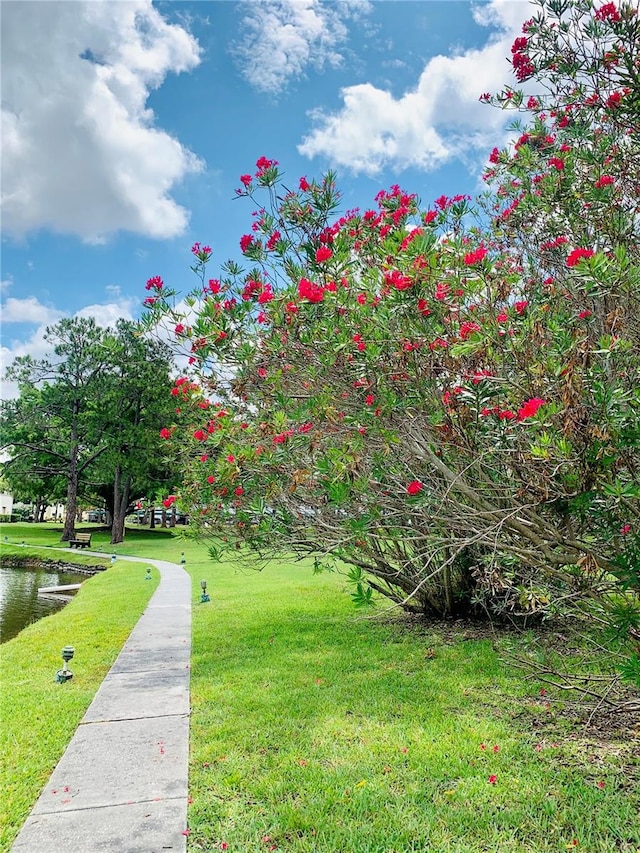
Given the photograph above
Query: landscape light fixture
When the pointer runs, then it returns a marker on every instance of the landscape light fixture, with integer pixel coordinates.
(205, 596)
(113, 559)
(147, 577)
(183, 559)
(65, 673)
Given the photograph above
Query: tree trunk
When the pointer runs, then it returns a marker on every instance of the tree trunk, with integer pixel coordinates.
(69, 529)
(164, 517)
(172, 520)
(121, 489)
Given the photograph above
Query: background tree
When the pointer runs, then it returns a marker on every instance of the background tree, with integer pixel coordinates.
(87, 413)
(136, 395)
(59, 407)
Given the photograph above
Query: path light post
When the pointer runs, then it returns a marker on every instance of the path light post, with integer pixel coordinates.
(205, 596)
(147, 577)
(65, 673)
(183, 559)
(113, 559)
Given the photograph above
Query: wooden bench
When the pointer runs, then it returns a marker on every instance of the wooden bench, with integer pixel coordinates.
(82, 540)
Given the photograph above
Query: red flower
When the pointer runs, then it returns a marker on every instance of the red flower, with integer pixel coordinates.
(442, 289)
(557, 163)
(493, 779)
(614, 99)
(303, 184)
(608, 12)
(323, 254)
(414, 488)
(626, 528)
(308, 290)
(238, 491)
(167, 502)
(530, 408)
(605, 181)
(165, 433)
(211, 479)
(265, 296)
(263, 163)
(245, 179)
(468, 328)
(520, 306)
(154, 283)
(475, 257)
(200, 435)
(245, 242)
(398, 280)
(574, 257)
(214, 285)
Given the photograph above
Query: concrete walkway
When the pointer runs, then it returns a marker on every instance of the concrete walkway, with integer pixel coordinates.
(121, 785)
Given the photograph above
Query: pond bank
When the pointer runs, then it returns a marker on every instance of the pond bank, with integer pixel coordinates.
(28, 561)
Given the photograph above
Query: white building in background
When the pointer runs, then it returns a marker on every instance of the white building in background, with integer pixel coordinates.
(54, 512)
(6, 503)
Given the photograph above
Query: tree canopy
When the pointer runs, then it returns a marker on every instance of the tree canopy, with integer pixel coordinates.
(446, 398)
(87, 416)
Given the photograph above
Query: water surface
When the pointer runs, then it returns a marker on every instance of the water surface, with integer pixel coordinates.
(20, 604)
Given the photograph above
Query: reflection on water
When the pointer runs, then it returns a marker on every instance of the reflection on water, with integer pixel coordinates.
(20, 604)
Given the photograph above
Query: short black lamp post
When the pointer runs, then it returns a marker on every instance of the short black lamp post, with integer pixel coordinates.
(183, 559)
(147, 577)
(205, 595)
(65, 673)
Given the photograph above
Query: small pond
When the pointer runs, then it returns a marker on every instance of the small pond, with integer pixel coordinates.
(20, 604)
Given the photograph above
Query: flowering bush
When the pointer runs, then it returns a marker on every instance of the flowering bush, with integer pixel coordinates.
(446, 399)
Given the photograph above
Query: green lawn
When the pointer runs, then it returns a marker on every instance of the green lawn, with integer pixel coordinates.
(317, 728)
(38, 716)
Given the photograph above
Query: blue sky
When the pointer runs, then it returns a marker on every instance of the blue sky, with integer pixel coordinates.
(126, 125)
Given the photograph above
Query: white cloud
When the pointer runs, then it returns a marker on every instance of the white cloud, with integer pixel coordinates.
(81, 154)
(36, 346)
(6, 284)
(441, 118)
(28, 310)
(283, 37)
(109, 314)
